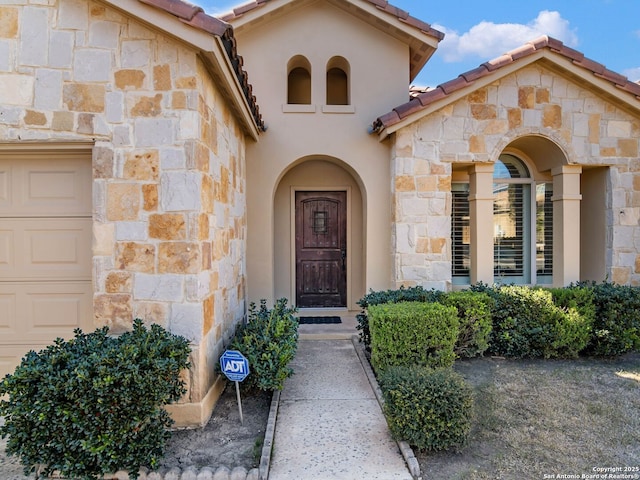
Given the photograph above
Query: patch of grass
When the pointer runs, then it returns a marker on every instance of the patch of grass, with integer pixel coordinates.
(536, 417)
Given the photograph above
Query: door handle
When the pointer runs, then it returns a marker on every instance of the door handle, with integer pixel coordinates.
(343, 255)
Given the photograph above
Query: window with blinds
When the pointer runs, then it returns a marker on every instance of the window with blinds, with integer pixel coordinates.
(544, 233)
(460, 234)
(510, 230)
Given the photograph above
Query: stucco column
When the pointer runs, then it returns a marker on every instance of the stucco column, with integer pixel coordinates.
(481, 222)
(566, 224)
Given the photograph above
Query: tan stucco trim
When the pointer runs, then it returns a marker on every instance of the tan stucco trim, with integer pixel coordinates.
(40, 146)
(292, 213)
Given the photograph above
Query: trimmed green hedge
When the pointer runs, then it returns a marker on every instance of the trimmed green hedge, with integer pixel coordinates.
(412, 333)
(402, 294)
(474, 315)
(429, 409)
(616, 328)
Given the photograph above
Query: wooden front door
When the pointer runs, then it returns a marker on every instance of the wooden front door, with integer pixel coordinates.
(321, 249)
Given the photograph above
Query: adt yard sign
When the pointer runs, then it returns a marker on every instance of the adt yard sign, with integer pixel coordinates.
(234, 365)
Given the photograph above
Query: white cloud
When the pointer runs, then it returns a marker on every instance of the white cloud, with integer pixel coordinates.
(632, 74)
(487, 39)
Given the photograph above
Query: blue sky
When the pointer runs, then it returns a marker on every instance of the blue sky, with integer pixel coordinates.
(607, 31)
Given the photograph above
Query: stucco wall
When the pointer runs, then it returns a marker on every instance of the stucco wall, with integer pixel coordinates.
(379, 76)
(169, 188)
(536, 102)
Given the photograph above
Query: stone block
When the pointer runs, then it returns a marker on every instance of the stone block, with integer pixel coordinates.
(135, 53)
(514, 117)
(9, 17)
(150, 197)
(147, 106)
(131, 231)
(104, 34)
(543, 95)
(34, 28)
(172, 158)
(135, 257)
(119, 282)
(16, 89)
(484, 112)
(73, 15)
(114, 311)
(142, 165)
(162, 77)
(478, 96)
(103, 235)
(178, 100)
(178, 257)
(129, 79)
(48, 89)
(154, 132)
(85, 123)
(6, 55)
(31, 117)
(405, 183)
(628, 147)
(82, 97)
(114, 107)
(186, 319)
(92, 65)
(121, 135)
(152, 312)
(123, 201)
(62, 121)
(526, 97)
(165, 288)
(180, 191)
(61, 49)
(552, 116)
(167, 226)
(198, 287)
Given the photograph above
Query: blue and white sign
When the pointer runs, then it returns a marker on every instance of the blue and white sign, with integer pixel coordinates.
(234, 365)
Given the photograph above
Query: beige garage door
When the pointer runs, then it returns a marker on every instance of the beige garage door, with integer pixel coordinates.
(45, 250)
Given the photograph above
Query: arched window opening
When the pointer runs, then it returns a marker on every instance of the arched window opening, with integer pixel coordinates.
(338, 82)
(299, 81)
(522, 224)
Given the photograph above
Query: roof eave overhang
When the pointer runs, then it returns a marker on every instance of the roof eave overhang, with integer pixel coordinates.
(561, 65)
(422, 43)
(209, 46)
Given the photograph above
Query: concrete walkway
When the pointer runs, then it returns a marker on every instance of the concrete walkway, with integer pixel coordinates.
(330, 424)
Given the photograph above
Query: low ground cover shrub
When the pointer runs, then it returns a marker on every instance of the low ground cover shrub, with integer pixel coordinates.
(474, 315)
(402, 294)
(269, 340)
(616, 327)
(429, 409)
(94, 404)
(527, 323)
(412, 333)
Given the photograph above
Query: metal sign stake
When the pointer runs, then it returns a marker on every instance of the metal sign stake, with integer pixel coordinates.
(239, 402)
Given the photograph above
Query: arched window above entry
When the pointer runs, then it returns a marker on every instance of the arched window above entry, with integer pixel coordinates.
(338, 88)
(299, 81)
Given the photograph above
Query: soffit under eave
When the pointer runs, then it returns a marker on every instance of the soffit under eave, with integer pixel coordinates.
(422, 45)
(209, 47)
(559, 65)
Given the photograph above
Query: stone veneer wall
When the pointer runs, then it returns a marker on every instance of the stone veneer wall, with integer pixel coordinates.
(476, 128)
(168, 165)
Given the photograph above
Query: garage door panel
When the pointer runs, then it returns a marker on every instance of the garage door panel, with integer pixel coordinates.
(44, 311)
(38, 248)
(40, 187)
(7, 314)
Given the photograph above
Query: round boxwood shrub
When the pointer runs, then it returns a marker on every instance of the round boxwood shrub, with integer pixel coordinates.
(429, 409)
(94, 404)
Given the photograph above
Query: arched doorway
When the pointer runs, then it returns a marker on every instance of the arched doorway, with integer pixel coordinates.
(319, 235)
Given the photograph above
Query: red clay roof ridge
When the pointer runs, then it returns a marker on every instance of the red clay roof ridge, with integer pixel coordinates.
(429, 96)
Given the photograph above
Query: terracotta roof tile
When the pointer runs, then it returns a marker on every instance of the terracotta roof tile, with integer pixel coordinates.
(194, 16)
(427, 97)
(408, 108)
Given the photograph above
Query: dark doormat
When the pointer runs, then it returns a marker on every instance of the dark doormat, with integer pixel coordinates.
(318, 320)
